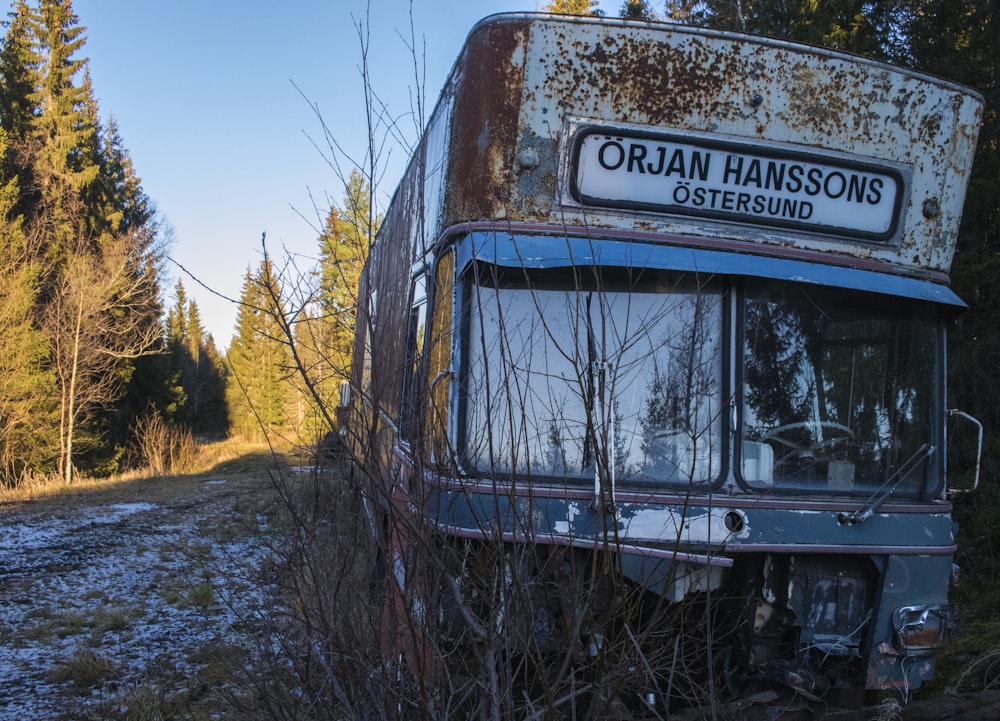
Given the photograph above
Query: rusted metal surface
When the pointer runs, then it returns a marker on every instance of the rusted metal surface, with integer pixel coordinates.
(523, 81)
(484, 138)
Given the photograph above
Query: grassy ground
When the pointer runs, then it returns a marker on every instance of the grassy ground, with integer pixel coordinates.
(230, 458)
(133, 598)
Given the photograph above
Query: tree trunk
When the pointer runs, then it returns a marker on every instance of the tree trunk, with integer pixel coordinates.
(71, 405)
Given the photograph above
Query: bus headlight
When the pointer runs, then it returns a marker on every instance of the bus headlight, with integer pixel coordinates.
(922, 630)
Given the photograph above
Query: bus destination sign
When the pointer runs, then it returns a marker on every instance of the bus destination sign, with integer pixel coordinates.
(739, 182)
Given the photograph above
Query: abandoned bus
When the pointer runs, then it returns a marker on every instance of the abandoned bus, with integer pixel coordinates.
(648, 398)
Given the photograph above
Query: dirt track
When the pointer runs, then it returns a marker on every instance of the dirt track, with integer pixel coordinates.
(118, 602)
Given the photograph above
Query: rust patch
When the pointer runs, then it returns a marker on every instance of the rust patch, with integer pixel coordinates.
(676, 79)
(485, 121)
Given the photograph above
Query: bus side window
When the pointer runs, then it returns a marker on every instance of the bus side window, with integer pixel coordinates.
(438, 380)
(415, 337)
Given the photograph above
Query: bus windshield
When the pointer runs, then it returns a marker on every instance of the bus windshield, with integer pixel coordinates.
(571, 375)
(568, 379)
(840, 390)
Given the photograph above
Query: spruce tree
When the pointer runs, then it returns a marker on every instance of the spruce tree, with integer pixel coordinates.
(27, 401)
(19, 82)
(572, 7)
(258, 361)
(857, 26)
(64, 129)
(344, 246)
(636, 10)
(960, 40)
(197, 369)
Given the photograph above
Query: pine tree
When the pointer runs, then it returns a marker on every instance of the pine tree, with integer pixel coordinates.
(258, 361)
(197, 369)
(65, 133)
(27, 403)
(572, 7)
(636, 10)
(858, 26)
(19, 80)
(213, 416)
(343, 251)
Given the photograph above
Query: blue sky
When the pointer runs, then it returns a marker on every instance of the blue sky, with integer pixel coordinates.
(204, 93)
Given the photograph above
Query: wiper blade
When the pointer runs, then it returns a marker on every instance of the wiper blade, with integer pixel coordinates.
(889, 487)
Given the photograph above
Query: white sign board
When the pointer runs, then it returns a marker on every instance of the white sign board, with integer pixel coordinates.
(762, 185)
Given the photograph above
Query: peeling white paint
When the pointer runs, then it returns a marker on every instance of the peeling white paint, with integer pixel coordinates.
(666, 524)
(573, 509)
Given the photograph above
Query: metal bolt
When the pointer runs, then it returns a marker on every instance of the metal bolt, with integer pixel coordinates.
(527, 158)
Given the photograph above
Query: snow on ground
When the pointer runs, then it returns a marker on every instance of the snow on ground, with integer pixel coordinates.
(98, 600)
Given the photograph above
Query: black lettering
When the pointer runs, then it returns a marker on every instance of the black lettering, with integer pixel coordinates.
(805, 210)
(759, 204)
(732, 169)
(795, 178)
(699, 167)
(875, 191)
(753, 173)
(659, 168)
(831, 190)
(815, 178)
(774, 206)
(714, 192)
(699, 197)
(856, 188)
(727, 200)
(636, 154)
(743, 203)
(788, 208)
(774, 179)
(602, 155)
(676, 164)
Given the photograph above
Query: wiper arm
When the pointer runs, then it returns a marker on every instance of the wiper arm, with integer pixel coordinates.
(888, 488)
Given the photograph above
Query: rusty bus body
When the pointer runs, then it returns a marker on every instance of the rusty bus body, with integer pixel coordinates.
(678, 298)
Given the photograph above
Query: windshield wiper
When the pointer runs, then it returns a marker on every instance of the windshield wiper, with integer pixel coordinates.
(888, 488)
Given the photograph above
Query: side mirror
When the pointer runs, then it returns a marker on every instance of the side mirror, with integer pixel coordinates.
(979, 449)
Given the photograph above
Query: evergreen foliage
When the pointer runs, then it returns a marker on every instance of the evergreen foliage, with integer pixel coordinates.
(259, 362)
(343, 249)
(636, 10)
(198, 372)
(960, 40)
(572, 7)
(79, 263)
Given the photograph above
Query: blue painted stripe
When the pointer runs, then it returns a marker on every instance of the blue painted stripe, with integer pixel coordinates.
(547, 251)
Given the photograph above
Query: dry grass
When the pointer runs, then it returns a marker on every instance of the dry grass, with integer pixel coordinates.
(229, 459)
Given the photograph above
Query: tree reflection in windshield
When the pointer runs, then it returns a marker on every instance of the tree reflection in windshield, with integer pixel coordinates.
(569, 383)
(838, 387)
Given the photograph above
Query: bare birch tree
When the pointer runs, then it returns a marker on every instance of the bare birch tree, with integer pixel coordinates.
(98, 321)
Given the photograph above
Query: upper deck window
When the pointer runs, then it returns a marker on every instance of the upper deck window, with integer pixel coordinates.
(567, 377)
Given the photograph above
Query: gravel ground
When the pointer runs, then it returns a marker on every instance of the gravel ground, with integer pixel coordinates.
(114, 607)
